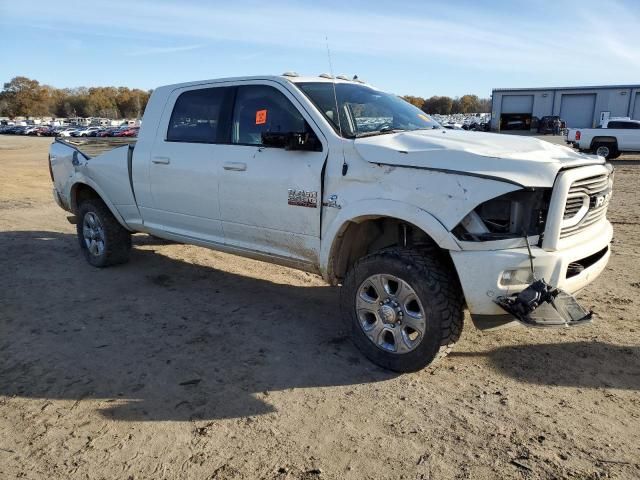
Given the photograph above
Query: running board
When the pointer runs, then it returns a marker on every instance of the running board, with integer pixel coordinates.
(541, 305)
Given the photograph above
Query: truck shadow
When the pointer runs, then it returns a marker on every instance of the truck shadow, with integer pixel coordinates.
(161, 338)
(167, 339)
(577, 364)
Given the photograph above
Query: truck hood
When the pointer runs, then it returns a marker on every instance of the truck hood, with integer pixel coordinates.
(525, 161)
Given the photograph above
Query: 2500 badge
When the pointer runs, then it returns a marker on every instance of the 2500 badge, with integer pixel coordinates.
(302, 198)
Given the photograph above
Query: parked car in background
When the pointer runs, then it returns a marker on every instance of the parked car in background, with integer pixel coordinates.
(614, 137)
(43, 131)
(84, 132)
(30, 130)
(108, 132)
(96, 132)
(67, 132)
(128, 132)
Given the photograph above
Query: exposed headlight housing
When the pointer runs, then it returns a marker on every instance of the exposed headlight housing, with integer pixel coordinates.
(512, 215)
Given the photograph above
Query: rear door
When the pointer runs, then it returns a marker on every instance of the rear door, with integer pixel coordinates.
(270, 198)
(185, 163)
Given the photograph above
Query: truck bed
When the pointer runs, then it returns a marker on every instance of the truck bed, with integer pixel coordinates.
(92, 146)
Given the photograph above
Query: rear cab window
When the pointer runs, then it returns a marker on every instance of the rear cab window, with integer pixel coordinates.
(624, 125)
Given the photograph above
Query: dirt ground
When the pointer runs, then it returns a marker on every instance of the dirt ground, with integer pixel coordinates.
(192, 364)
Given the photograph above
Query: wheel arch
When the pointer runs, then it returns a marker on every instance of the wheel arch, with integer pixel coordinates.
(357, 231)
(604, 139)
(86, 189)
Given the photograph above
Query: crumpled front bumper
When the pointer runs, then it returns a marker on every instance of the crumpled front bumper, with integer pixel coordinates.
(482, 273)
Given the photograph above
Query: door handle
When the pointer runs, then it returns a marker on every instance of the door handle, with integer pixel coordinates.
(161, 160)
(236, 166)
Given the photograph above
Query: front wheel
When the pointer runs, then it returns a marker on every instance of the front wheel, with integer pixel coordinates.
(102, 239)
(404, 306)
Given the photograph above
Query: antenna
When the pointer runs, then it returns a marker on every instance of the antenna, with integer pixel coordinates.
(333, 82)
(345, 167)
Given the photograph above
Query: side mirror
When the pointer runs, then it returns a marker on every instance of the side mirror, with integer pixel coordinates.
(303, 141)
(292, 140)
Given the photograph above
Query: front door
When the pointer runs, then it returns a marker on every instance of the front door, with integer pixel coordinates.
(270, 198)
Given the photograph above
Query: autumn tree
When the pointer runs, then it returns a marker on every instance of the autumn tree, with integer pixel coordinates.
(468, 104)
(415, 101)
(25, 97)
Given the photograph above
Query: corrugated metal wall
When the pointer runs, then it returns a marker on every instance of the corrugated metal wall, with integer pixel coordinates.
(579, 106)
(636, 108)
(577, 109)
(517, 104)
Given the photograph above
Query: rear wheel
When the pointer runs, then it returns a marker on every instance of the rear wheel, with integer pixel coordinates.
(606, 150)
(404, 306)
(102, 239)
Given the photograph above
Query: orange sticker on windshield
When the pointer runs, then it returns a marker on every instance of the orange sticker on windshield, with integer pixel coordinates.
(423, 117)
(261, 117)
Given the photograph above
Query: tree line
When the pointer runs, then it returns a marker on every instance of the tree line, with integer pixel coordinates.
(448, 105)
(24, 97)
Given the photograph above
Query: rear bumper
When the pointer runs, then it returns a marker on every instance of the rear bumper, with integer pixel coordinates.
(483, 279)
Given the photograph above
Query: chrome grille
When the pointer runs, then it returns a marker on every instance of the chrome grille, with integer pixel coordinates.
(590, 185)
(579, 203)
(573, 206)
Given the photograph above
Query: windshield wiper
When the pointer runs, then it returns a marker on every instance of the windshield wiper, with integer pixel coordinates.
(382, 131)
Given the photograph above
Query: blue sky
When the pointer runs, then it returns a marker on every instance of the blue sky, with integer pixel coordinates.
(415, 47)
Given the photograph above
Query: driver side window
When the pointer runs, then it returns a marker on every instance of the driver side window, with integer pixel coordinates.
(262, 109)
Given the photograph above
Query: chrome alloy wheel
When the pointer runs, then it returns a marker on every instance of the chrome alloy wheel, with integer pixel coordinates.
(390, 313)
(93, 233)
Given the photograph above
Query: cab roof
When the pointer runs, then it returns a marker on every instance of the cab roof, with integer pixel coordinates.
(277, 78)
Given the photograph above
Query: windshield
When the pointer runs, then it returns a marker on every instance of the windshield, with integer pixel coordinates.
(365, 111)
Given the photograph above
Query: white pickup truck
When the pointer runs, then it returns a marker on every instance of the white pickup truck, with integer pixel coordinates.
(614, 137)
(414, 221)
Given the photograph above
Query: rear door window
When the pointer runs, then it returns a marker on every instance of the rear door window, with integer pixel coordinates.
(196, 116)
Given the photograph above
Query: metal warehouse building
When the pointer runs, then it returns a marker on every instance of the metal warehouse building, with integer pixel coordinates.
(518, 108)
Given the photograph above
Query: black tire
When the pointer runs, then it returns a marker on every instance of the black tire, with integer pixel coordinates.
(116, 239)
(438, 289)
(611, 148)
